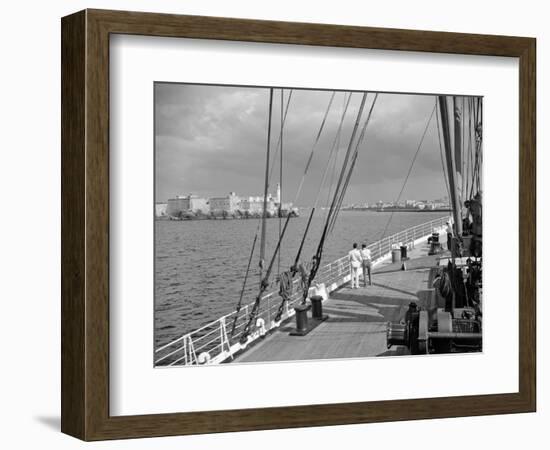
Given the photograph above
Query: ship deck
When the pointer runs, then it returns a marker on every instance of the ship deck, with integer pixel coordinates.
(356, 327)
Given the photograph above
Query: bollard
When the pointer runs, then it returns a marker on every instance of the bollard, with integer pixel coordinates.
(301, 318)
(317, 308)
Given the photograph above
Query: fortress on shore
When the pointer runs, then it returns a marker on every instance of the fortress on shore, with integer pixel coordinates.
(231, 205)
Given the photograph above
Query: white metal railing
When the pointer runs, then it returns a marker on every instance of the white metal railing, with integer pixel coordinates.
(213, 343)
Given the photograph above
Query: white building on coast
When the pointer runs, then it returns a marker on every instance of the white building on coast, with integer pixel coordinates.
(187, 203)
(230, 204)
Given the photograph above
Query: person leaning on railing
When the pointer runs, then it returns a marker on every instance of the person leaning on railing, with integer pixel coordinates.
(367, 264)
(355, 262)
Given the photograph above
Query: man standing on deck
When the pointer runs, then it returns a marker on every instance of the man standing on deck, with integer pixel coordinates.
(449, 230)
(367, 264)
(355, 263)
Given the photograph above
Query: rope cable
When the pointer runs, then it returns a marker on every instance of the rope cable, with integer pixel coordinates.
(308, 163)
(333, 146)
(469, 174)
(277, 146)
(463, 173)
(265, 279)
(317, 258)
(280, 180)
(332, 170)
(284, 293)
(239, 304)
(263, 286)
(324, 175)
(352, 165)
(410, 169)
(445, 179)
(266, 186)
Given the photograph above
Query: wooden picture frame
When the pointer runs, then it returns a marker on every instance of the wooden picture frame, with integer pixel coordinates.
(85, 224)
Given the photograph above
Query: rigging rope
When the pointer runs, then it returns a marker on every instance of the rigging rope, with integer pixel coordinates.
(352, 166)
(332, 171)
(334, 145)
(265, 280)
(348, 153)
(471, 146)
(342, 194)
(445, 179)
(318, 255)
(239, 305)
(270, 174)
(286, 277)
(476, 179)
(336, 139)
(410, 170)
(266, 185)
(280, 180)
(285, 291)
(260, 220)
(480, 142)
(463, 173)
(294, 267)
(263, 286)
(277, 146)
(299, 190)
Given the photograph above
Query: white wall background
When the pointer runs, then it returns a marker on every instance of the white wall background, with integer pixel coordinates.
(30, 243)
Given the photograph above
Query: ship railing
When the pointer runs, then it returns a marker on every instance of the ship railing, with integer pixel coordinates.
(213, 342)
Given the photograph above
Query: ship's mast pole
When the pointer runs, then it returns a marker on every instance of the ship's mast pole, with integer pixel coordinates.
(451, 169)
(280, 190)
(266, 187)
(458, 151)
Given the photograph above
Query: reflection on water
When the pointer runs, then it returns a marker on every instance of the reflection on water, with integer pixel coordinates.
(200, 265)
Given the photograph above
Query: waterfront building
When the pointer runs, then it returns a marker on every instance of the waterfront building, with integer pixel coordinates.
(187, 203)
(255, 205)
(228, 204)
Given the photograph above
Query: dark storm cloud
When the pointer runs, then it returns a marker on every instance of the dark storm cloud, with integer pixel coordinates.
(211, 140)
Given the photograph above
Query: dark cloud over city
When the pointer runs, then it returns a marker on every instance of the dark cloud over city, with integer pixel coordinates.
(212, 139)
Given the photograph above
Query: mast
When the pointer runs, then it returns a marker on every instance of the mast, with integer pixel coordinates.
(458, 152)
(280, 185)
(451, 169)
(266, 187)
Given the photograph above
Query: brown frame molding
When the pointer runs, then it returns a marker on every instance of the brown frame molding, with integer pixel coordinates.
(85, 224)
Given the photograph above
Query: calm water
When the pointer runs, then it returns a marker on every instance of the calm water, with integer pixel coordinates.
(200, 265)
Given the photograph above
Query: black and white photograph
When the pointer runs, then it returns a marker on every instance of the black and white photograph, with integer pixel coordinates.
(275, 225)
(296, 224)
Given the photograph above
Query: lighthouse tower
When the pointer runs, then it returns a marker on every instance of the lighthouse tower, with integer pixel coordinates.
(278, 199)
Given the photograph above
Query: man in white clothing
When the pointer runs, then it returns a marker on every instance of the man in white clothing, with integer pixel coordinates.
(367, 264)
(355, 263)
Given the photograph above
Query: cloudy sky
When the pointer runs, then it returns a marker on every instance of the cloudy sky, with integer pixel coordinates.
(210, 140)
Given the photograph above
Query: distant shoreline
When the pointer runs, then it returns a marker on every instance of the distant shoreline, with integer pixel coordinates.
(399, 210)
(228, 217)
